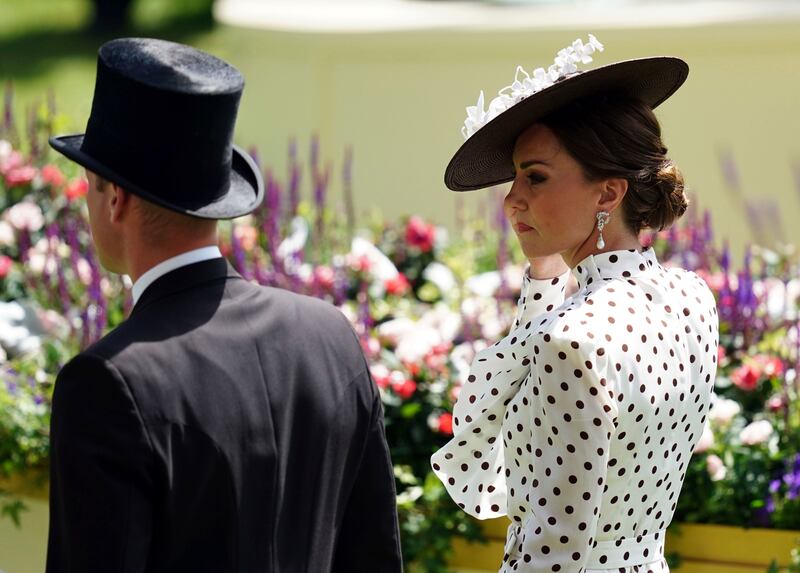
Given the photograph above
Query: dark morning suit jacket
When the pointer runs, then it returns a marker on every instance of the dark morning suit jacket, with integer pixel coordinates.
(224, 427)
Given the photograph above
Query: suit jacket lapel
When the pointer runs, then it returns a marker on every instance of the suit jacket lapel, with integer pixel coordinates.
(184, 278)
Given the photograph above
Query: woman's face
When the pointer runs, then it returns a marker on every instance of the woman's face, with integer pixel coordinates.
(551, 205)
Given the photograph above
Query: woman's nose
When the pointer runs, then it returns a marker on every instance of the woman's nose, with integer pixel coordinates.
(514, 201)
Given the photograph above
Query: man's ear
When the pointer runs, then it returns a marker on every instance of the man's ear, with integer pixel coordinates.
(612, 193)
(119, 202)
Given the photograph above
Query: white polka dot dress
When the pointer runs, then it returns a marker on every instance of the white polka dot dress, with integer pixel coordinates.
(580, 423)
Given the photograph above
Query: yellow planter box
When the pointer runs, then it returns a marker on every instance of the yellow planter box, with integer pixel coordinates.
(703, 548)
(34, 483)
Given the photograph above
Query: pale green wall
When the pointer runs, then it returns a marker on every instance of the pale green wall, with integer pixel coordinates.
(399, 99)
(23, 550)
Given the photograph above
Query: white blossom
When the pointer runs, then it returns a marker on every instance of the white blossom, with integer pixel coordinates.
(7, 237)
(723, 411)
(756, 433)
(25, 215)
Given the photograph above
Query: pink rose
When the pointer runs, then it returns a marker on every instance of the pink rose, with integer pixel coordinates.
(756, 433)
(746, 376)
(446, 424)
(705, 442)
(5, 266)
(398, 285)
(52, 176)
(420, 234)
(404, 389)
(76, 189)
(324, 276)
(20, 176)
(716, 467)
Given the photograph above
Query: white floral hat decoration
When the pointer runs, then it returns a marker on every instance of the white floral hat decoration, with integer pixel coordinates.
(485, 160)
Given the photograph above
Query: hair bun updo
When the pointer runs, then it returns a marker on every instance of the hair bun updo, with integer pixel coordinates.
(615, 135)
(669, 202)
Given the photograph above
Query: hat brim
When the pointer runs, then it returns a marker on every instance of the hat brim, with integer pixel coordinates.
(485, 159)
(245, 194)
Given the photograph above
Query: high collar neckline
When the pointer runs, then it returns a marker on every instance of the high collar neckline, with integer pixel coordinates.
(624, 263)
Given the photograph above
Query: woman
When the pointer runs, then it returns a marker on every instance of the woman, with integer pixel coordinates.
(580, 423)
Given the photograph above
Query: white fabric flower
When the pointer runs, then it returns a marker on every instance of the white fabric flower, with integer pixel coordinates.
(475, 118)
(524, 84)
(756, 433)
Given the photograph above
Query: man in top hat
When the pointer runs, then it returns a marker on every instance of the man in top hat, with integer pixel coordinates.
(224, 426)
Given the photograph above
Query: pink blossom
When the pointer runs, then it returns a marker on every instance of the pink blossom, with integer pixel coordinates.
(756, 433)
(247, 235)
(5, 266)
(776, 403)
(772, 366)
(420, 234)
(398, 285)
(446, 424)
(404, 389)
(324, 276)
(53, 176)
(747, 376)
(76, 189)
(716, 468)
(705, 442)
(20, 176)
(9, 161)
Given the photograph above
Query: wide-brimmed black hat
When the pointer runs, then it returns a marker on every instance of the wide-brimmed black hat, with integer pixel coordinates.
(161, 127)
(485, 158)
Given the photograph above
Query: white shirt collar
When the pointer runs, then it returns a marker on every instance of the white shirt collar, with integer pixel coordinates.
(162, 268)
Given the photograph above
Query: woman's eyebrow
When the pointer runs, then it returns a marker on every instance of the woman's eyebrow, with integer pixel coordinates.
(526, 164)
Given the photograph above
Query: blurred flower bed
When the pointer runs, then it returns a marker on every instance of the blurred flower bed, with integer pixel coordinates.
(422, 301)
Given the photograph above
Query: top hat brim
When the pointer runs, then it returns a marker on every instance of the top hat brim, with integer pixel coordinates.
(245, 193)
(485, 159)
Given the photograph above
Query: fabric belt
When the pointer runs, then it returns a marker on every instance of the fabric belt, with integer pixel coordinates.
(626, 552)
(610, 554)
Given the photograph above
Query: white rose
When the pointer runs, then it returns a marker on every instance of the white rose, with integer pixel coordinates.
(7, 235)
(706, 441)
(5, 151)
(416, 344)
(716, 468)
(25, 215)
(756, 433)
(392, 331)
(724, 410)
(443, 320)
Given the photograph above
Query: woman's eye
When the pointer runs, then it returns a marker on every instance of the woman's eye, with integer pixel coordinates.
(536, 178)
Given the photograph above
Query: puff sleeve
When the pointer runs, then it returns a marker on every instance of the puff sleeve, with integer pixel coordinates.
(471, 464)
(573, 421)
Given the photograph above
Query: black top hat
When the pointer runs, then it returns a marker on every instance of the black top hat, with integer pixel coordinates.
(162, 126)
(485, 159)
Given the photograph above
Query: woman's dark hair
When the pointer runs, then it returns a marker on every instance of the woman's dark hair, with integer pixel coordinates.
(618, 136)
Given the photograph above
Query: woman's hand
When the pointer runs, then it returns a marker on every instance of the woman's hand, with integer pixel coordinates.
(547, 267)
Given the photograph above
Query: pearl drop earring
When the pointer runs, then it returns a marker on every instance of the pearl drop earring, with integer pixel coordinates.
(602, 219)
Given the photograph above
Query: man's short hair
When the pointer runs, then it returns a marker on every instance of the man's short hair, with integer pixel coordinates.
(157, 220)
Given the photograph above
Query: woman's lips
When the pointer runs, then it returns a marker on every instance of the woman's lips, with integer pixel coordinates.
(522, 228)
